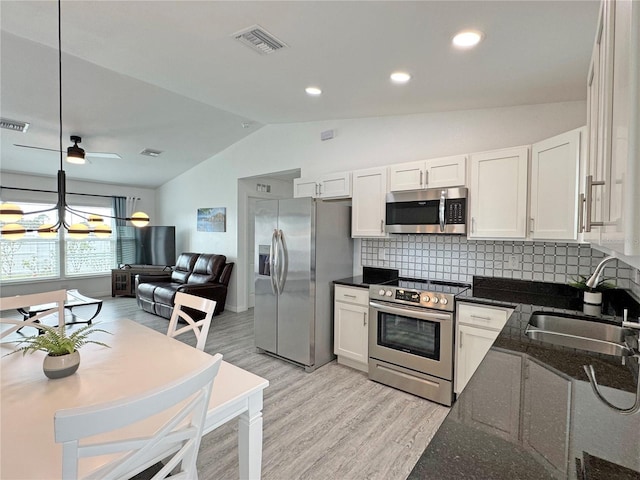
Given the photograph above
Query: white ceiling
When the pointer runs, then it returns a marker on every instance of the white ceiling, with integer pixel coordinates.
(168, 75)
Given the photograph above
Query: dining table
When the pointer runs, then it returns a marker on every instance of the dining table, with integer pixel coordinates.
(138, 359)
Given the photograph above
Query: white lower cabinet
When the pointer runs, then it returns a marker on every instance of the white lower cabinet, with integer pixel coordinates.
(479, 408)
(351, 326)
(477, 327)
(546, 415)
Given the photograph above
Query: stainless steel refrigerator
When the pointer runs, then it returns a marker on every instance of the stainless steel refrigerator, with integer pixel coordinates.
(302, 245)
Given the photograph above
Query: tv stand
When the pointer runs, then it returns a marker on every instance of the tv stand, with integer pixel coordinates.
(123, 280)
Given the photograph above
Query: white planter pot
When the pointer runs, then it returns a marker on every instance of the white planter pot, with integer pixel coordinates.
(61, 366)
(593, 298)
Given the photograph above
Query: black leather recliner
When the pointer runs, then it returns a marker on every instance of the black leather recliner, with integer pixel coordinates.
(205, 275)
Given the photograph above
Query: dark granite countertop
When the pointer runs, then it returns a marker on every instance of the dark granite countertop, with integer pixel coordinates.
(529, 411)
(370, 276)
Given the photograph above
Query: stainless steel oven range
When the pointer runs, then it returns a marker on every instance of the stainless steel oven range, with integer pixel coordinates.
(411, 335)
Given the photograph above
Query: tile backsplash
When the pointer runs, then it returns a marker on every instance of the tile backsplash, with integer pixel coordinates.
(458, 259)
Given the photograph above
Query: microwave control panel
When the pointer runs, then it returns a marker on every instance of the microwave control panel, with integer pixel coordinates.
(456, 210)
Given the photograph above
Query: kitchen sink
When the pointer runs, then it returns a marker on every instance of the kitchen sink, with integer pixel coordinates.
(580, 333)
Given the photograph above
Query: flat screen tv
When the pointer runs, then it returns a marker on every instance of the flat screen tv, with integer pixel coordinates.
(153, 245)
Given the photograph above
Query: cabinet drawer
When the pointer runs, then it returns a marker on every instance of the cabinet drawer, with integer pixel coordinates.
(483, 316)
(359, 296)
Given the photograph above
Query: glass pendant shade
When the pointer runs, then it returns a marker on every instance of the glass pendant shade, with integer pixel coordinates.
(10, 213)
(140, 219)
(47, 230)
(78, 231)
(102, 230)
(13, 231)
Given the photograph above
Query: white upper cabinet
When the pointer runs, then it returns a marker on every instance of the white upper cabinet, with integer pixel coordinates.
(368, 202)
(613, 178)
(498, 193)
(333, 185)
(433, 173)
(555, 165)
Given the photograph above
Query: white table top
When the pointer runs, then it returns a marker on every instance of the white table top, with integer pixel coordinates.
(139, 359)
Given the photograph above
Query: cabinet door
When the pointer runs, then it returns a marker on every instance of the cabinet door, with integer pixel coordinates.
(336, 185)
(407, 176)
(472, 346)
(351, 331)
(547, 414)
(498, 193)
(305, 187)
(368, 203)
(494, 403)
(554, 187)
(446, 172)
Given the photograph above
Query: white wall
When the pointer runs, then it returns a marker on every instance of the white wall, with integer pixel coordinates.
(359, 143)
(92, 286)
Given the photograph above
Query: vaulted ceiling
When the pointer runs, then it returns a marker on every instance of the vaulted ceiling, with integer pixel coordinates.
(169, 75)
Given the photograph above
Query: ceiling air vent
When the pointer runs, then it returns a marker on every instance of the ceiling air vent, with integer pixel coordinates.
(14, 125)
(259, 40)
(150, 152)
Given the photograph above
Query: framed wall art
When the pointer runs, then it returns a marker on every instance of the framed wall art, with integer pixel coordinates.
(212, 219)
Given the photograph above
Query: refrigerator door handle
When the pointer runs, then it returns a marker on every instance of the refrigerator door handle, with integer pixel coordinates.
(283, 266)
(273, 261)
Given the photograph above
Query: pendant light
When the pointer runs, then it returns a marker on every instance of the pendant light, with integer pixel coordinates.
(11, 214)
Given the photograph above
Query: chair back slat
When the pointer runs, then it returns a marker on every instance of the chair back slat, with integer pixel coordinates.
(52, 301)
(179, 437)
(200, 328)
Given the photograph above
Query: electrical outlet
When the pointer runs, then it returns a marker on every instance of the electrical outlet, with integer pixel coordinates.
(513, 262)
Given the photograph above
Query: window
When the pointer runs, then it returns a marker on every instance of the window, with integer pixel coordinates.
(36, 258)
(90, 255)
(31, 257)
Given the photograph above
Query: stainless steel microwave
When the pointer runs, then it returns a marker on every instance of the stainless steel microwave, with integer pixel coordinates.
(436, 210)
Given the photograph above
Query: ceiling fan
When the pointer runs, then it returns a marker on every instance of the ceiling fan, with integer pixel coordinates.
(74, 151)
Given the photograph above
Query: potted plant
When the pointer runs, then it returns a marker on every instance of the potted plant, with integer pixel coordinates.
(63, 357)
(593, 295)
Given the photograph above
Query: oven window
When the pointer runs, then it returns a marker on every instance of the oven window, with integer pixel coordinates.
(413, 213)
(410, 335)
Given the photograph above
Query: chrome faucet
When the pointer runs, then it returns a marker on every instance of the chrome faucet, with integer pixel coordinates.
(595, 277)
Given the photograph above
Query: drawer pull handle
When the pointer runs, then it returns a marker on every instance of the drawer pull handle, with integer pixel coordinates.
(486, 319)
(348, 295)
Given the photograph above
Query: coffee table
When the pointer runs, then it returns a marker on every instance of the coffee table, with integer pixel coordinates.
(74, 299)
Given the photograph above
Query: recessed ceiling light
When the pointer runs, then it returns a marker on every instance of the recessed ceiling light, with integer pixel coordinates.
(400, 77)
(314, 91)
(467, 39)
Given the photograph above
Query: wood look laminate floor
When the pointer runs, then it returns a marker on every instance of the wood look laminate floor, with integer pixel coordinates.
(333, 423)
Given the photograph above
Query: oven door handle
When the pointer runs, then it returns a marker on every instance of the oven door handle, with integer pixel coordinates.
(414, 312)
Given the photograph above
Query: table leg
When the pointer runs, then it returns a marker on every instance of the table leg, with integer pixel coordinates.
(250, 439)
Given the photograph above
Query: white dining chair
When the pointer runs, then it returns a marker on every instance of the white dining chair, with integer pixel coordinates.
(175, 442)
(55, 300)
(199, 327)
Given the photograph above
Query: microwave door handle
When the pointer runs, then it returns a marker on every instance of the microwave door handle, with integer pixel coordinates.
(441, 209)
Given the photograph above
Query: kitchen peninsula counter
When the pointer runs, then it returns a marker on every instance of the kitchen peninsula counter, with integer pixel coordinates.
(529, 411)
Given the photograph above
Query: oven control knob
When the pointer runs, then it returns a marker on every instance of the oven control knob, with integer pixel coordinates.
(435, 300)
(381, 292)
(426, 298)
(388, 293)
(444, 301)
